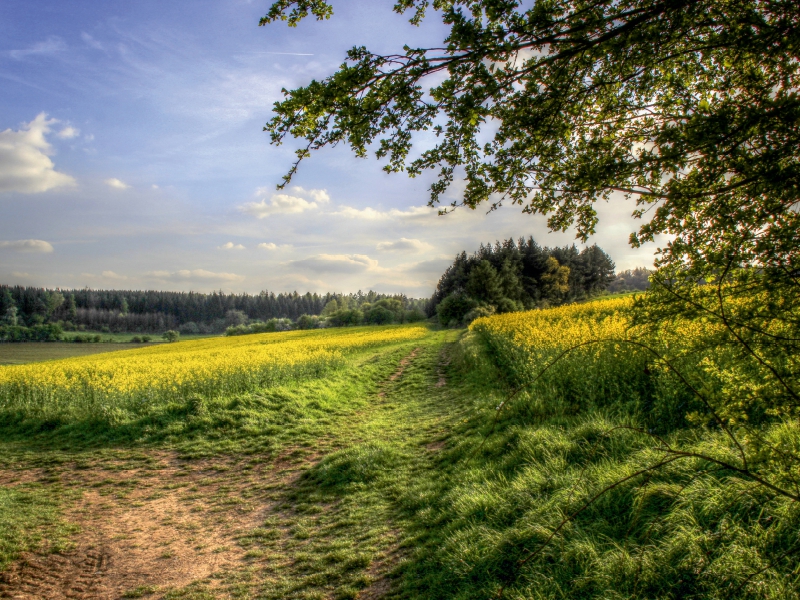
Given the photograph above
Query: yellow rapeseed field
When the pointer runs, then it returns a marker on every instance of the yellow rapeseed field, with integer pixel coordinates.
(208, 366)
(525, 342)
(596, 350)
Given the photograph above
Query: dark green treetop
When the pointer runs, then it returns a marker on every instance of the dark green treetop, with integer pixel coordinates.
(690, 106)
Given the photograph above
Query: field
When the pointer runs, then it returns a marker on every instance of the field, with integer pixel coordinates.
(20, 354)
(533, 456)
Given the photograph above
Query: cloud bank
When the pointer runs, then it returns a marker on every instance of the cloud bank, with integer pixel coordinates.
(25, 164)
(336, 263)
(298, 201)
(200, 275)
(404, 245)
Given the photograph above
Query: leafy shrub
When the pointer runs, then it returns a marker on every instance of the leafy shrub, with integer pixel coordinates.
(36, 333)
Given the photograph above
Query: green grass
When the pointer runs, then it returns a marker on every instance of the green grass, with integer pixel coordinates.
(31, 352)
(30, 520)
(409, 488)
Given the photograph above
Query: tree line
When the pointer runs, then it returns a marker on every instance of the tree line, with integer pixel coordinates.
(151, 311)
(518, 275)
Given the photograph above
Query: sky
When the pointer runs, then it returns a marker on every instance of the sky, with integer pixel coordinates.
(133, 156)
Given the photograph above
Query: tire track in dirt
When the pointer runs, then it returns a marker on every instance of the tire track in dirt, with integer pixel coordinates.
(401, 368)
(161, 534)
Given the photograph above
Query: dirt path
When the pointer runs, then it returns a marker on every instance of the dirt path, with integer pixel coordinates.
(150, 529)
(158, 523)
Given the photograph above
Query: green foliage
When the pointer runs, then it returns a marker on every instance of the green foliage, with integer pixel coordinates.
(631, 280)
(690, 107)
(543, 502)
(171, 335)
(307, 322)
(749, 320)
(36, 333)
(514, 276)
(346, 317)
(88, 339)
(453, 309)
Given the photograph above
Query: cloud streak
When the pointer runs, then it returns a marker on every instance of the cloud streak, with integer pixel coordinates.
(230, 246)
(199, 275)
(336, 263)
(115, 183)
(404, 245)
(31, 246)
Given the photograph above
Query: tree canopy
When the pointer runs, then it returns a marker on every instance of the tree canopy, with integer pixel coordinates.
(517, 275)
(690, 106)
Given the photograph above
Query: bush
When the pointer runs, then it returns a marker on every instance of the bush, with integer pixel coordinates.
(414, 316)
(171, 335)
(307, 322)
(36, 333)
(484, 310)
(453, 309)
(189, 328)
(345, 317)
(86, 339)
(237, 330)
(379, 316)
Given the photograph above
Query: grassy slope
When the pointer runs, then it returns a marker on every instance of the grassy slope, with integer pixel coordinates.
(341, 511)
(392, 493)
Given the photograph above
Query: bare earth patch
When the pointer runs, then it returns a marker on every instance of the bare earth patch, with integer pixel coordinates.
(146, 528)
(401, 368)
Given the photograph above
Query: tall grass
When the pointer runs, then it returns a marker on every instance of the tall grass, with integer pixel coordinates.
(590, 481)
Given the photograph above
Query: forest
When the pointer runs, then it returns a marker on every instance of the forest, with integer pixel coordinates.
(502, 277)
(511, 276)
(156, 311)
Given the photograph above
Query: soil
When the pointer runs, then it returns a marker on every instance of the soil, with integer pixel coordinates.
(144, 528)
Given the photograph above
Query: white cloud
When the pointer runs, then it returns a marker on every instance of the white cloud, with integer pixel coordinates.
(112, 275)
(230, 246)
(285, 204)
(320, 196)
(51, 45)
(24, 162)
(404, 245)
(193, 275)
(38, 246)
(68, 133)
(273, 246)
(371, 214)
(336, 263)
(116, 183)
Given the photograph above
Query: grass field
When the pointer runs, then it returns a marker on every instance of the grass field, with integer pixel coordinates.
(20, 354)
(417, 464)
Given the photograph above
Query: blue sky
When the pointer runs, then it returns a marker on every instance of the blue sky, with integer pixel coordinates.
(132, 156)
